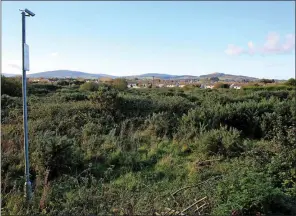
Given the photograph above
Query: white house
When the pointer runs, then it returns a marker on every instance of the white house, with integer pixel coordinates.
(171, 86)
(235, 86)
(202, 86)
(132, 85)
(209, 86)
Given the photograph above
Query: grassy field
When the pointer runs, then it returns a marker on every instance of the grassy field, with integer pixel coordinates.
(103, 151)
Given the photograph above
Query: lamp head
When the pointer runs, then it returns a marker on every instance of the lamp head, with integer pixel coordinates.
(29, 12)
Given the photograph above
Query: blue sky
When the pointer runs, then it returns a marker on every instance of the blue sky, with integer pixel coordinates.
(127, 38)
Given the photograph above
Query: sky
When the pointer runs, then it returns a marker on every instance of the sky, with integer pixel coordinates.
(173, 37)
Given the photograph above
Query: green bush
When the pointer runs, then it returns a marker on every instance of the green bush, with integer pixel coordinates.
(74, 97)
(105, 97)
(89, 86)
(221, 142)
(11, 86)
(221, 85)
(39, 89)
(291, 82)
(8, 102)
(138, 151)
(55, 153)
(119, 84)
(161, 124)
(248, 191)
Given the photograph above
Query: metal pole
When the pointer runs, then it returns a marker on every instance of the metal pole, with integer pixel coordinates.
(28, 186)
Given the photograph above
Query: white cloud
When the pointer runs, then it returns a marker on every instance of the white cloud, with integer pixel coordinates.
(16, 66)
(251, 47)
(54, 54)
(289, 44)
(233, 50)
(272, 45)
(9, 66)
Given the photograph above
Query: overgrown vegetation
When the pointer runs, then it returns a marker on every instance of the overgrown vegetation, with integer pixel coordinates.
(103, 150)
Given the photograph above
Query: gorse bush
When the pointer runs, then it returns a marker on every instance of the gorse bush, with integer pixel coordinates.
(291, 82)
(89, 86)
(8, 102)
(103, 149)
(249, 191)
(35, 88)
(105, 97)
(11, 86)
(221, 85)
(119, 84)
(74, 97)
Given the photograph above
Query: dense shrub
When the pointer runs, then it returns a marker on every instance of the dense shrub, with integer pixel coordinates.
(268, 87)
(63, 82)
(267, 81)
(8, 102)
(105, 97)
(89, 86)
(119, 84)
(221, 85)
(74, 97)
(55, 153)
(161, 124)
(11, 86)
(138, 151)
(291, 82)
(221, 142)
(35, 88)
(248, 191)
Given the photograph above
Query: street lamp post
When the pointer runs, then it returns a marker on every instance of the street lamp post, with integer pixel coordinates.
(25, 67)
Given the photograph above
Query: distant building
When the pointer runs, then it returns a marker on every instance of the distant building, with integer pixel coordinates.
(209, 86)
(234, 86)
(133, 85)
(171, 86)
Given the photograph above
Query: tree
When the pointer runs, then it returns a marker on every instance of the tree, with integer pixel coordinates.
(62, 82)
(291, 82)
(214, 79)
(119, 84)
(89, 86)
(221, 85)
(106, 97)
(265, 81)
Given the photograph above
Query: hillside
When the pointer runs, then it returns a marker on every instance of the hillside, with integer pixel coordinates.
(8, 75)
(229, 77)
(151, 75)
(67, 73)
(76, 74)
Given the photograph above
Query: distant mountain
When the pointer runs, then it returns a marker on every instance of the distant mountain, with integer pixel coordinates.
(9, 75)
(160, 76)
(151, 75)
(67, 73)
(76, 74)
(186, 77)
(226, 77)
